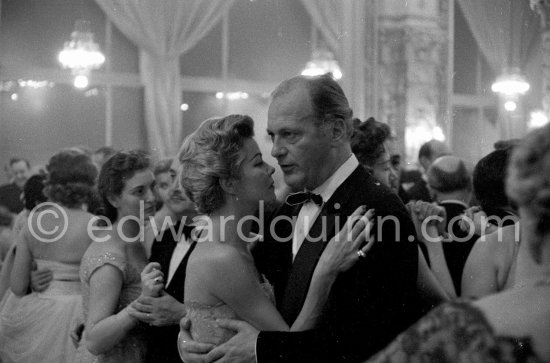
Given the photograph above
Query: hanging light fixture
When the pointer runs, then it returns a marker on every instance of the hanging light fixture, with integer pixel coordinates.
(81, 54)
(510, 84)
(322, 62)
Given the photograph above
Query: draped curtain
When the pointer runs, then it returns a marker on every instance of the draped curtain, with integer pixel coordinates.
(505, 41)
(341, 22)
(163, 30)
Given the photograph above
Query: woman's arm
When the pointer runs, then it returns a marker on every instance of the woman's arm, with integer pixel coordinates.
(20, 274)
(428, 286)
(438, 262)
(238, 286)
(104, 329)
(340, 254)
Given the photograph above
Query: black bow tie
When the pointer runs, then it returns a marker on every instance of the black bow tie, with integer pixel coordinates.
(304, 197)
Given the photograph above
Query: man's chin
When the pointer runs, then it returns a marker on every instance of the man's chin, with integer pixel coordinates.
(294, 182)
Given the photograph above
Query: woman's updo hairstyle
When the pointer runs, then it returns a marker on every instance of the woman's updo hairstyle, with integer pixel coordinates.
(210, 154)
(114, 173)
(528, 182)
(367, 141)
(71, 178)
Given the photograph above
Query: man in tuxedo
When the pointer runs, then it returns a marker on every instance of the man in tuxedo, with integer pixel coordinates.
(309, 122)
(450, 186)
(171, 248)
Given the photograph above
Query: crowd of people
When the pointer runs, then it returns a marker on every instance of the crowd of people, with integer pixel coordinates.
(111, 257)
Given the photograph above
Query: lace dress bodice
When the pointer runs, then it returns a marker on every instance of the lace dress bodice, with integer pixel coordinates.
(204, 327)
(131, 348)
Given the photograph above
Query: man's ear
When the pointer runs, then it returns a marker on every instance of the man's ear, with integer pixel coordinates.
(339, 130)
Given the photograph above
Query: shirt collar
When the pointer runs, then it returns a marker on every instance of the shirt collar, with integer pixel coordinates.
(327, 189)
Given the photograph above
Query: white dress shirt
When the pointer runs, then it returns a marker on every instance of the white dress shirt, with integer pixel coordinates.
(309, 211)
(177, 256)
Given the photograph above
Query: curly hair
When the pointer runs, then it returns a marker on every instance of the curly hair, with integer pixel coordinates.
(113, 175)
(528, 181)
(210, 154)
(71, 178)
(367, 142)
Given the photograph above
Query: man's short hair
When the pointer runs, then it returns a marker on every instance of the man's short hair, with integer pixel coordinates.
(16, 160)
(433, 149)
(163, 166)
(328, 100)
(447, 181)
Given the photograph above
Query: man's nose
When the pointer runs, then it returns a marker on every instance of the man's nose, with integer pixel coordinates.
(150, 196)
(278, 149)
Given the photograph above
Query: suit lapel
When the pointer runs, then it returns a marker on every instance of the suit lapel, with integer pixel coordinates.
(308, 255)
(177, 283)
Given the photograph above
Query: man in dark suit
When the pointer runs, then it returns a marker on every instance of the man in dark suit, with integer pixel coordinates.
(309, 121)
(450, 185)
(429, 151)
(10, 194)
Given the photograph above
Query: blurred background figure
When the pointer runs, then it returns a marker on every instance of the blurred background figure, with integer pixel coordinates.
(414, 182)
(33, 194)
(6, 234)
(10, 194)
(163, 180)
(450, 185)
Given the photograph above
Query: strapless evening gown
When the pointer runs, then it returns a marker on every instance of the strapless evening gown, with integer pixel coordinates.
(37, 326)
(204, 327)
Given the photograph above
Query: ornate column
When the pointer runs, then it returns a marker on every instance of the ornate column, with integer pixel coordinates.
(542, 7)
(414, 66)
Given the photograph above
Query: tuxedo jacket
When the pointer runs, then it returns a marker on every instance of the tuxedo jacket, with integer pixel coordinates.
(457, 251)
(368, 305)
(162, 341)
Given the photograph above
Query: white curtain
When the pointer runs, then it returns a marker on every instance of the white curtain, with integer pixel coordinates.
(328, 17)
(504, 40)
(163, 30)
(341, 22)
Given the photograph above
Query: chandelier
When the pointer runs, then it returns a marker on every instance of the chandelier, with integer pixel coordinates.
(81, 54)
(510, 84)
(322, 62)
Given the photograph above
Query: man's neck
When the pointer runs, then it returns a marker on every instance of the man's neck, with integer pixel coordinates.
(340, 157)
